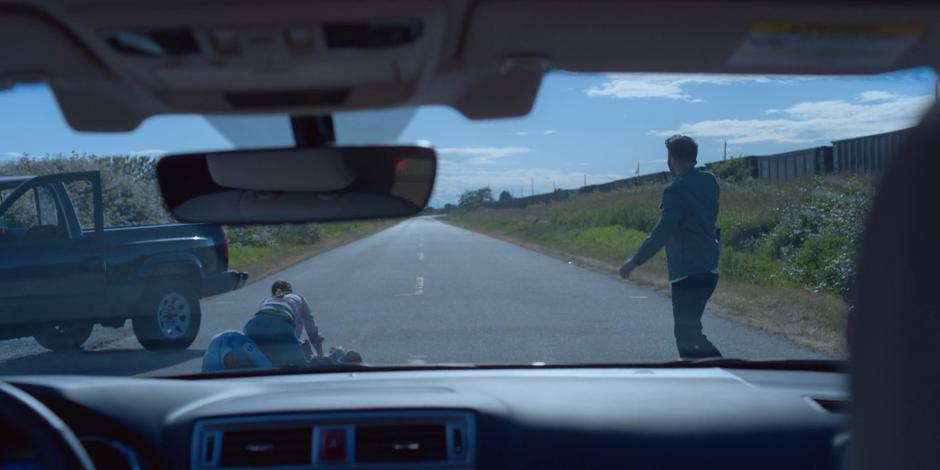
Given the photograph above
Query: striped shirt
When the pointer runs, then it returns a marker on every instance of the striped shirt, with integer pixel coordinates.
(293, 308)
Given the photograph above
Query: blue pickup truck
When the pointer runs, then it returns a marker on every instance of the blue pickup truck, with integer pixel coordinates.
(62, 272)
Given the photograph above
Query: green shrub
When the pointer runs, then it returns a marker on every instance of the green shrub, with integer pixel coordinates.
(755, 267)
(298, 234)
(732, 171)
(252, 235)
(823, 263)
(637, 218)
(818, 236)
(745, 230)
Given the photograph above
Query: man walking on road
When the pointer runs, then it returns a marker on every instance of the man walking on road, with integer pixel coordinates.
(686, 227)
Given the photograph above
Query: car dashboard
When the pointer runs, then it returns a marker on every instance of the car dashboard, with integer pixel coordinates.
(476, 418)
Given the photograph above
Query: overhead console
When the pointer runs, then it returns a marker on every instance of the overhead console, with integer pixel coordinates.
(271, 56)
(113, 64)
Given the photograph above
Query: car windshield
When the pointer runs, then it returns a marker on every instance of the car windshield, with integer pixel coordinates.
(629, 218)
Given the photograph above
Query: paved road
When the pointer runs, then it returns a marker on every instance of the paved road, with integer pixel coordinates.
(426, 292)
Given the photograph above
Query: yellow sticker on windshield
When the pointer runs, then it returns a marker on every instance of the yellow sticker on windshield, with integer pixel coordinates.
(789, 44)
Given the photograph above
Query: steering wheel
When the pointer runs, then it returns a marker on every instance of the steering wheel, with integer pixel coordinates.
(56, 444)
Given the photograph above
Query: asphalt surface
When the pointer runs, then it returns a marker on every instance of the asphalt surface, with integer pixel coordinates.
(423, 291)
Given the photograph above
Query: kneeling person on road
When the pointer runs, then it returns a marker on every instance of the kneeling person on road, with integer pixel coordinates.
(279, 325)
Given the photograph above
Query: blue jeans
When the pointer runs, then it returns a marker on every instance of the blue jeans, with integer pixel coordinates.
(689, 297)
(275, 337)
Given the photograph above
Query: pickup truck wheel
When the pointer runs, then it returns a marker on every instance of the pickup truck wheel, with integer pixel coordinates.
(63, 336)
(169, 317)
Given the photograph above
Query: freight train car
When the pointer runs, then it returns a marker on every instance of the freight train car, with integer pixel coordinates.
(868, 154)
(795, 164)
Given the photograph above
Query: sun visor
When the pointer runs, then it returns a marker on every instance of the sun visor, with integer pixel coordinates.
(705, 37)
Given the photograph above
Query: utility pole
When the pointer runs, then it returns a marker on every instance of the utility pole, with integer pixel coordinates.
(724, 154)
(585, 179)
(532, 182)
(637, 168)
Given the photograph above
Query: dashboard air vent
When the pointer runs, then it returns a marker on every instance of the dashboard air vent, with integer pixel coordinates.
(401, 443)
(267, 447)
(351, 439)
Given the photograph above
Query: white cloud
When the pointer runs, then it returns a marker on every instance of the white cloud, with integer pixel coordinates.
(815, 121)
(11, 154)
(671, 86)
(877, 95)
(481, 155)
(545, 132)
(149, 152)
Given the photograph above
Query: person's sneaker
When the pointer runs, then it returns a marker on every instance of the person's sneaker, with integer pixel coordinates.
(698, 353)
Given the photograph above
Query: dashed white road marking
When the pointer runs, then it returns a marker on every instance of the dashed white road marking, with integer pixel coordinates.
(419, 286)
(638, 297)
(420, 256)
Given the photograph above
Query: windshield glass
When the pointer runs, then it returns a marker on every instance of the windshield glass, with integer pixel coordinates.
(628, 219)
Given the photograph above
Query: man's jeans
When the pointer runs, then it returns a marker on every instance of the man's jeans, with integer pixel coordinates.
(275, 337)
(689, 297)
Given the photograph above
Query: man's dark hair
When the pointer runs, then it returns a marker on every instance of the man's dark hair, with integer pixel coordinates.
(682, 147)
(281, 286)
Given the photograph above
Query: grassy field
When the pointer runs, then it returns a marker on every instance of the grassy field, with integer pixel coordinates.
(260, 260)
(787, 256)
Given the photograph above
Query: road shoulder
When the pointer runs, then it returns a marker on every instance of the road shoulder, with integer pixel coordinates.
(742, 303)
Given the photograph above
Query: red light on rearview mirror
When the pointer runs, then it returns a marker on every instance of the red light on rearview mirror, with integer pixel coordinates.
(401, 165)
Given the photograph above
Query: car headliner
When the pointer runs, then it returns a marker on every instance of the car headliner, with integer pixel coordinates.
(485, 58)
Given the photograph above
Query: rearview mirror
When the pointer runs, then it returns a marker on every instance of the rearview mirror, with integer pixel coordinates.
(297, 184)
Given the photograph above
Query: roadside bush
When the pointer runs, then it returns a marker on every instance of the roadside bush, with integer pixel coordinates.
(732, 171)
(128, 187)
(252, 235)
(745, 231)
(630, 217)
(757, 267)
(299, 234)
(818, 237)
(823, 263)
(637, 218)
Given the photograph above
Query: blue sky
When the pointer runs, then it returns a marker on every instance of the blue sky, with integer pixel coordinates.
(593, 126)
